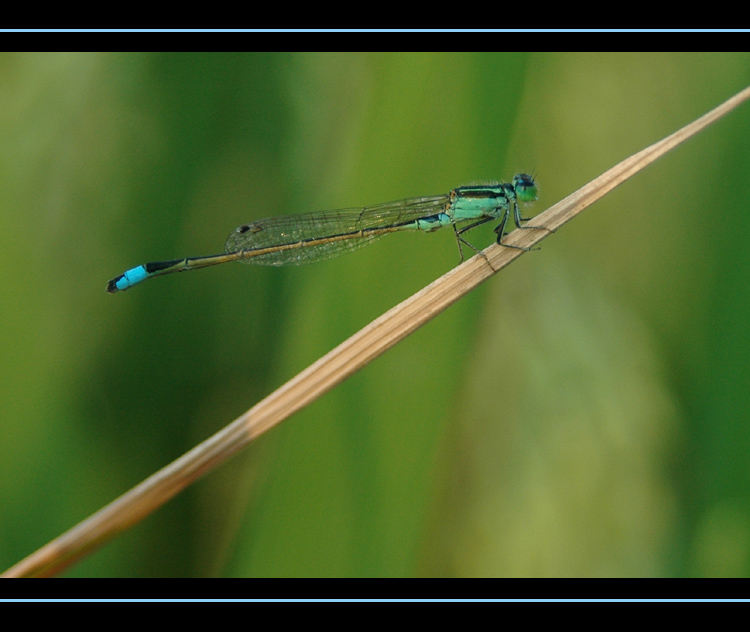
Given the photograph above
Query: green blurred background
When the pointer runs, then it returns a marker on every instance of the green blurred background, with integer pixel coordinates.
(584, 413)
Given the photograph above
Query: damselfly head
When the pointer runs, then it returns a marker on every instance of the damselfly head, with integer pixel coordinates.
(525, 187)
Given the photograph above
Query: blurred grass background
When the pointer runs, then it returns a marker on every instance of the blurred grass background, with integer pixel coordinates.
(585, 413)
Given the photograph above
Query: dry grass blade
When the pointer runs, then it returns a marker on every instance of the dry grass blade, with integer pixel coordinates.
(336, 366)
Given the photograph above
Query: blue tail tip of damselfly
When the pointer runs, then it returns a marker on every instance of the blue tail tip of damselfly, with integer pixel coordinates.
(112, 284)
(127, 279)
